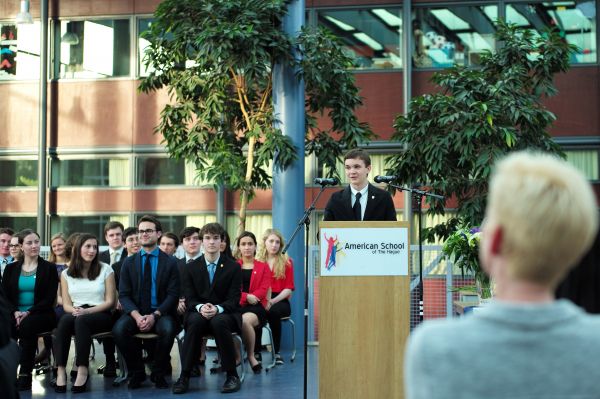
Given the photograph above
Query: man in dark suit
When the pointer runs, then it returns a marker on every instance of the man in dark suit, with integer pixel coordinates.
(148, 291)
(113, 234)
(359, 201)
(212, 288)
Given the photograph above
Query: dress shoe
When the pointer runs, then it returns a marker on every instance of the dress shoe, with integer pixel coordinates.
(159, 381)
(60, 388)
(256, 369)
(182, 385)
(136, 380)
(110, 369)
(80, 388)
(232, 384)
(24, 382)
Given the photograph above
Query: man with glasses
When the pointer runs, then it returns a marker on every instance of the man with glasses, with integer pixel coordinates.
(149, 292)
(5, 258)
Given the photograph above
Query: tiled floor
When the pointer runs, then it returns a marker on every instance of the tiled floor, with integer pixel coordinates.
(284, 381)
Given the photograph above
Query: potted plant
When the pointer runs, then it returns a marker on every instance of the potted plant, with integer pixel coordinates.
(462, 249)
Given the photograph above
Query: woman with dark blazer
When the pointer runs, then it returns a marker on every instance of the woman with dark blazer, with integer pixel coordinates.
(30, 286)
(256, 280)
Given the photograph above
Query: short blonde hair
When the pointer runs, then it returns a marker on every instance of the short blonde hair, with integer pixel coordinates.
(547, 212)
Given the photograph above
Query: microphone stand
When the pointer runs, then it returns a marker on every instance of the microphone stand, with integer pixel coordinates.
(418, 196)
(305, 220)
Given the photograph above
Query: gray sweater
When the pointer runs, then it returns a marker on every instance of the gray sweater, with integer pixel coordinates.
(506, 351)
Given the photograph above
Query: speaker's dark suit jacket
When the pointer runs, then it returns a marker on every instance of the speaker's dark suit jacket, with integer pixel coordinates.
(225, 290)
(167, 284)
(105, 256)
(380, 206)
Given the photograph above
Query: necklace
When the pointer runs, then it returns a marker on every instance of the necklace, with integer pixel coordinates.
(25, 273)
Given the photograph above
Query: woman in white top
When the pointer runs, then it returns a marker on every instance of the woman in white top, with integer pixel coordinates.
(88, 292)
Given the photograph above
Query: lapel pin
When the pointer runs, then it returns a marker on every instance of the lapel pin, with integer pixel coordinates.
(372, 197)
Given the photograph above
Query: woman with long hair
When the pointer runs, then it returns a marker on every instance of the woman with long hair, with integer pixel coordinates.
(30, 286)
(256, 280)
(282, 284)
(88, 291)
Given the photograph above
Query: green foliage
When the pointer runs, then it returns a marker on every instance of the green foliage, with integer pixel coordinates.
(454, 137)
(215, 58)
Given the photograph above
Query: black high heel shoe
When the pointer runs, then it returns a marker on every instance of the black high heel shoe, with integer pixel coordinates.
(256, 369)
(81, 388)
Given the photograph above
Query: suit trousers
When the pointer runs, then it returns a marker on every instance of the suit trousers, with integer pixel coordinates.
(220, 327)
(27, 334)
(82, 327)
(123, 333)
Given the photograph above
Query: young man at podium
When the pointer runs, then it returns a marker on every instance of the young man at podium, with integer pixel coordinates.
(540, 220)
(360, 200)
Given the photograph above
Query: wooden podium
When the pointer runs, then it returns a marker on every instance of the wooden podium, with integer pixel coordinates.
(364, 314)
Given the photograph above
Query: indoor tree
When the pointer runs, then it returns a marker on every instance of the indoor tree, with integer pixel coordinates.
(452, 138)
(216, 58)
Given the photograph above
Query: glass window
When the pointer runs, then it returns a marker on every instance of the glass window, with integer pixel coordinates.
(18, 223)
(584, 160)
(372, 37)
(19, 51)
(153, 171)
(93, 49)
(143, 25)
(90, 172)
(575, 20)
(455, 35)
(256, 223)
(93, 224)
(18, 173)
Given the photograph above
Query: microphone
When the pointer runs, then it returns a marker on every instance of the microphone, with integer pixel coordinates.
(385, 179)
(326, 182)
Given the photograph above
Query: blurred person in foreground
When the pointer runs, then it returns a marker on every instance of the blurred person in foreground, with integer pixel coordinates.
(540, 220)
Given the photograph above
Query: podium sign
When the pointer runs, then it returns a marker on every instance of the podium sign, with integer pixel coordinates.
(364, 312)
(364, 251)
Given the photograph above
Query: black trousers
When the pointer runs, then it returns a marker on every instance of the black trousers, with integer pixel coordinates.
(220, 327)
(27, 334)
(274, 315)
(82, 327)
(123, 332)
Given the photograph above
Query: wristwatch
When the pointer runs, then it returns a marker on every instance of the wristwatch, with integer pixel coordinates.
(156, 316)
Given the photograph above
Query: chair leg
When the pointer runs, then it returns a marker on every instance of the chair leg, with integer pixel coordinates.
(293, 338)
(270, 332)
(241, 369)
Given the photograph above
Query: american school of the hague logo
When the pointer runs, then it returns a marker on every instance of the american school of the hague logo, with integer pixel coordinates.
(338, 249)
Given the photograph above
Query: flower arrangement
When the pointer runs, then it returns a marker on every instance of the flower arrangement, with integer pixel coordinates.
(462, 249)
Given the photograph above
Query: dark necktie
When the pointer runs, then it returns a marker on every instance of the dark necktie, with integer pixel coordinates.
(356, 207)
(190, 260)
(211, 271)
(146, 305)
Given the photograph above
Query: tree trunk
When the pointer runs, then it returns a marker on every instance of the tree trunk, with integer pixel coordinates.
(244, 201)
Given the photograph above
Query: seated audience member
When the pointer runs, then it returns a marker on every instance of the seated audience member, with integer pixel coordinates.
(540, 219)
(16, 252)
(256, 280)
(226, 246)
(5, 240)
(168, 243)
(30, 286)
(211, 287)
(132, 247)
(148, 292)
(88, 291)
(282, 285)
(113, 234)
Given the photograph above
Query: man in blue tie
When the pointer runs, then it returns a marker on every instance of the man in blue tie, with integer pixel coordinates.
(212, 288)
(149, 291)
